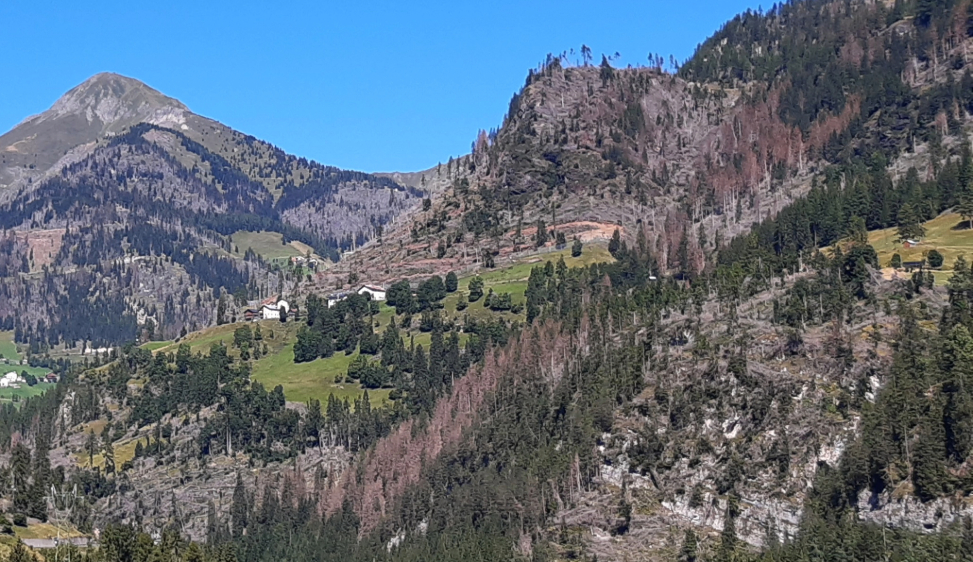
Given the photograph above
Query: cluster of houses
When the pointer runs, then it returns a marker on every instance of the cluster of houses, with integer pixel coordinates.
(11, 380)
(269, 309)
(300, 261)
(375, 292)
(274, 309)
(14, 379)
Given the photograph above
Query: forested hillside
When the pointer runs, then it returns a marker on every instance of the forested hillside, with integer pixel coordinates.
(695, 157)
(746, 380)
(122, 205)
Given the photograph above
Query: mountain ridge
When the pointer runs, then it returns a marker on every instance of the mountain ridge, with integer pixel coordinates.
(688, 160)
(112, 88)
(693, 396)
(104, 104)
(114, 161)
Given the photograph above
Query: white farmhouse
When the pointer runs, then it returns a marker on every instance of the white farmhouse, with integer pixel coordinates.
(376, 292)
(10, 380)
(272, 311)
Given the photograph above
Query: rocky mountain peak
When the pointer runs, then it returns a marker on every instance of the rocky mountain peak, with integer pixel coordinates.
(112, 99)
(105, 104)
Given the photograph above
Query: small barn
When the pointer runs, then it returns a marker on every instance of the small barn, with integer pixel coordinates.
(335, 298)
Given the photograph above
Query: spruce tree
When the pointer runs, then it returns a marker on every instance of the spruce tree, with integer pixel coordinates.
(109, 455)
(615, 244)
(476, 288)
(20, 477)
(910, 224)
(690, 545)
(956, 366)
(726, 550)
(221, 311)
(929, 458)
(20, 553)
(964, 206)
(966, 544)
(540, 238)
(240, 508)
(576, 248)
(213, 534)
(91, 445)
(422, 389)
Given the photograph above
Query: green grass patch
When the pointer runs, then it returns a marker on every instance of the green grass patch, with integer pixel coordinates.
(947, 233)
(45, 531)
(418, 338)
(316, 379)
(269, 245)
(20, 369)
(8, 349)
(36, 371)
(513, 280)
(17, 395)
(154, 345)
(276, 334)
(301, 381)
(520, 270)
(124, 452)
(304, 381)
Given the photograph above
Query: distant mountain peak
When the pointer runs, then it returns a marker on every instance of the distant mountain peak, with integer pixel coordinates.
(112, 98)
(103, 105)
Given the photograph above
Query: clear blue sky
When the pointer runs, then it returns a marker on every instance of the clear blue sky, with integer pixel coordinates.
(374, 86)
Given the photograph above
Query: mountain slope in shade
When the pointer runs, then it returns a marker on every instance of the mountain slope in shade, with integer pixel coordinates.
(343, 206)
(115, 168)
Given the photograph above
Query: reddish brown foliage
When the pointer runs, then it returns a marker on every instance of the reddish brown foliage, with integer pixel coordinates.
(384, 473)
(757, 138)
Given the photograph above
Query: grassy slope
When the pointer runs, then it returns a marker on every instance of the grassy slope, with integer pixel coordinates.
(943, 233)
(266, 244)
(301, 381)
(513, 279)
(304, 381)
(8, 349)
(45, 531)
(303, 249)
(124, 452)
(8, 394)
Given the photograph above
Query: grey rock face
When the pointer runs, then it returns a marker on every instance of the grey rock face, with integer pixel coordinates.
(103, 105)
